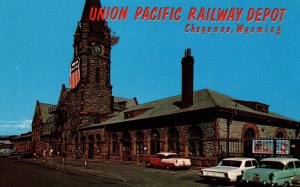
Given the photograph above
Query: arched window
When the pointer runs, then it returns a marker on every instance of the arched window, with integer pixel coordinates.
(65, 144)
(139, 142)
(173, 141)
(154, 142)
(115, 143)
(75, 143)
(280, 133)
(195, 141)
(248, 136)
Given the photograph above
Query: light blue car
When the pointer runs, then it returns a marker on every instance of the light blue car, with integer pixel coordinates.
(273, 172)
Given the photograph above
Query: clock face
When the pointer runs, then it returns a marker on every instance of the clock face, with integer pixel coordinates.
(97, 49)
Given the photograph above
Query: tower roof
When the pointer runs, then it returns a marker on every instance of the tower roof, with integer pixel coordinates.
(78, 29)
(87, 7)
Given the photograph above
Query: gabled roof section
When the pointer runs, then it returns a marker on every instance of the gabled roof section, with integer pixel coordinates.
(63, 96)
(202, 99)
(165, 106)
(45, 112)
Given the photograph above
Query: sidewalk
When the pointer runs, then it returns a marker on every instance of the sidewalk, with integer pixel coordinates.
(80, 167)
(129, 173)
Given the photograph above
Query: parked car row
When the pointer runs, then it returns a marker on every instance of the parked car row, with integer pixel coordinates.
(21, 155)
(4, 153)
(275, 171)
(13, 154)
(229, 169)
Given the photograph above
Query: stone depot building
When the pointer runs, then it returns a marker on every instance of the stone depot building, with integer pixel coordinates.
(88, 121)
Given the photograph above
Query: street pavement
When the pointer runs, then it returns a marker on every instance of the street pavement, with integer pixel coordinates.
(110, 173)
(73, 173)
(14, 173)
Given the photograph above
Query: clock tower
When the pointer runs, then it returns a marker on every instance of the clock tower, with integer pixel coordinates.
(91, 89)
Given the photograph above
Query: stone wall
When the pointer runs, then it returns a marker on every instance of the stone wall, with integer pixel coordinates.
(210, 145)
(262, 131)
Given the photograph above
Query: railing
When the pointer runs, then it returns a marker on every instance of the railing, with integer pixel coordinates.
(259, 148)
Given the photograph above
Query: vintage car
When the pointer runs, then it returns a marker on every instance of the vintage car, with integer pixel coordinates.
(168, 160)
(20, 155)
(4, 153)
(273, 172)
(229, 169)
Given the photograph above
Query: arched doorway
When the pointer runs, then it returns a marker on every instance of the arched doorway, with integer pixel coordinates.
(126, 142)
(173, 140)
(249, 135)
(91, 147)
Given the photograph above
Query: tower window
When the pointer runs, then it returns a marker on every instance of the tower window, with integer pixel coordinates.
(97, 75)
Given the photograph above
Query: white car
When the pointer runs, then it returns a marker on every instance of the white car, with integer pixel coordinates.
(229, 169)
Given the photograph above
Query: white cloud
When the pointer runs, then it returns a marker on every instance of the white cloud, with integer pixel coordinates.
(15, 127)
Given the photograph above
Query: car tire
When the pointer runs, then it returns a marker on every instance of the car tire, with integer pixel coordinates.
(148, 164)
(286, 184)
(168, 168)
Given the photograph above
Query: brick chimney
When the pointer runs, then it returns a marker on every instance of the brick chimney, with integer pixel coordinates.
(187, 79)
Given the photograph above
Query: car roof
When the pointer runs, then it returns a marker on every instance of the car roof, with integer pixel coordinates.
(167, 153)
(239, 158)
(280, 159)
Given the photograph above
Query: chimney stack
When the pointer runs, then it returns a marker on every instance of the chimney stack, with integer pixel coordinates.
(187, 79)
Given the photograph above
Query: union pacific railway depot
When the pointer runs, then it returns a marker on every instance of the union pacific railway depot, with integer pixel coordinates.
(88, 121)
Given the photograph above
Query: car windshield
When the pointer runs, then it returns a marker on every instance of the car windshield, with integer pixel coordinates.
(270, 165)
(167, 156)
(172, 156)
(232, 163)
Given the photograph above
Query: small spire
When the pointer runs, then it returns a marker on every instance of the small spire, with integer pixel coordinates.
(188, 52)
(87, 8)
(78, 29)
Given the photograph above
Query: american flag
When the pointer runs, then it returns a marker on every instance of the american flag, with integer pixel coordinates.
(75, 74)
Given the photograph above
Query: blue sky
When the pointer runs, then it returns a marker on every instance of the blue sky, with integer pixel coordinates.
(36, 51)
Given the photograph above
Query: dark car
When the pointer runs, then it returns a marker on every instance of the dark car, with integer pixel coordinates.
(21, 155)
(5, 153)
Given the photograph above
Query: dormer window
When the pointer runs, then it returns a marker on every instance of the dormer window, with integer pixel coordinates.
(128, 115)
(135, 113)
(260, 107)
